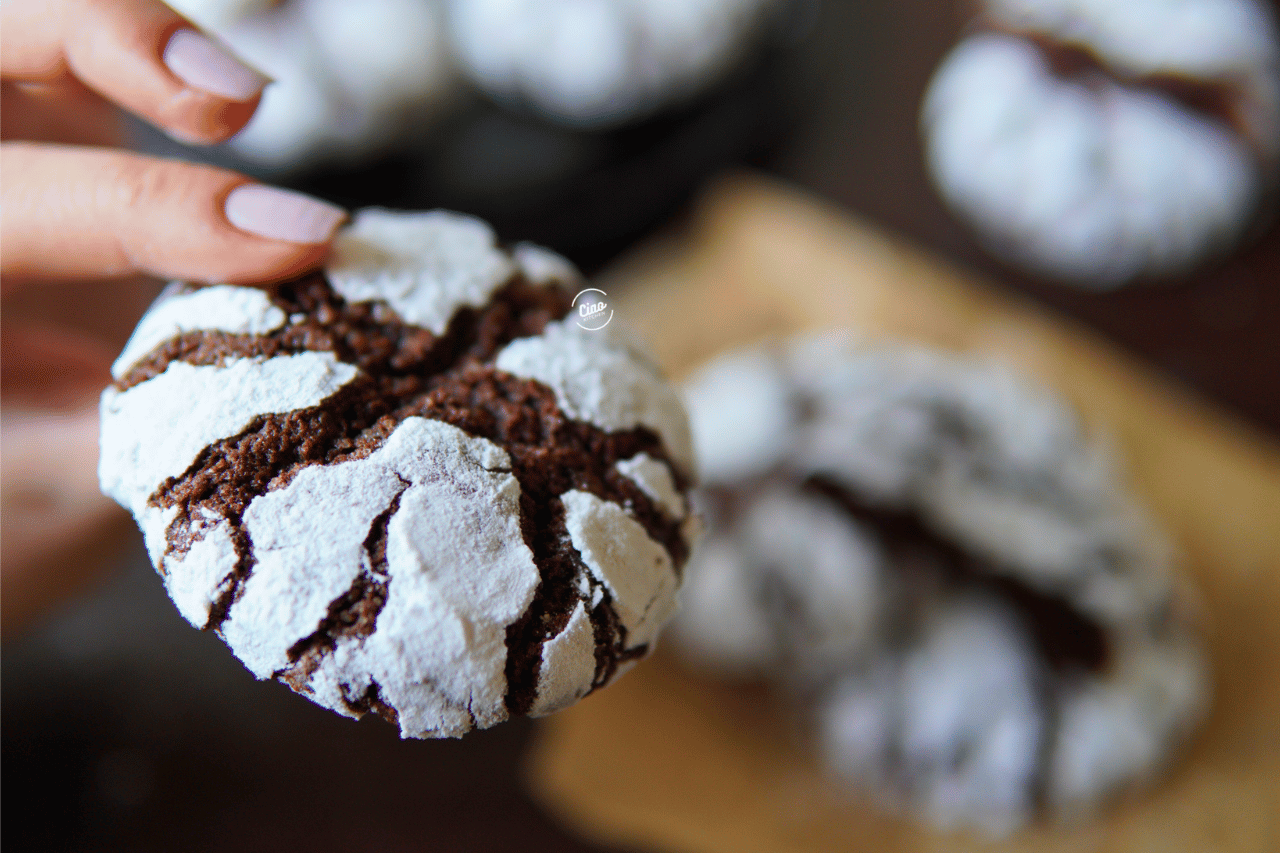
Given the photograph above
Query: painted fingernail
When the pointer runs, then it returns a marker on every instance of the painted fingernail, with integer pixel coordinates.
(282, 214)
(206, 65)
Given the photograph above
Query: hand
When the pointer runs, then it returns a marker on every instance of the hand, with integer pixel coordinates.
(84, 227)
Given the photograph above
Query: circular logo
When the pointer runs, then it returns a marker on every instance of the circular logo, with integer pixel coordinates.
(593, 312)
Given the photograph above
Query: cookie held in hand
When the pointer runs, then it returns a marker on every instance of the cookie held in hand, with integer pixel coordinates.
(409, 483)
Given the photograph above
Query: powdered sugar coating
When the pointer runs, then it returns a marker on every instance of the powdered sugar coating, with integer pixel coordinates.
(1114, 732)
(435, 559)
(1200, 38)
(968, 687)
(960, 712)
(459, 573)
(723, 630)
(458, 570)
(568, 665)
(298, 495)
(927, 676)
(154, 523)
(1096, 180)
(221, 308)
(748, 432)
(348, 80)
(302, 566)
(599, 62)
(294, 124)
(195, 579)
(542, 266)
(968, 692)
(155, 430)
(655, 480)
(424, 265)
(582, 366)
(636, 570)
(870, 420)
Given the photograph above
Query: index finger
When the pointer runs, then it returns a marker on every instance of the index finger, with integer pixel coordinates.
(77, 213)
(138, 53)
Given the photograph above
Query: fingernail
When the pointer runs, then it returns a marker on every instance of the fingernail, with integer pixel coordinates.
(282, 214)
(204, 64)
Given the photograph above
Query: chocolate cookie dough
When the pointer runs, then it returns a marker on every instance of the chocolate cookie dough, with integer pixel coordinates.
(410, 482)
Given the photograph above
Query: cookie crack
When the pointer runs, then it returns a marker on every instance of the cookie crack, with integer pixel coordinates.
(1049, 702)
(406, 371)
(367, 335)
(371, 700)
(398, 362)
(354, 613)
(1064, 638)
(243, 546)
(1214, 99)
(552, 454)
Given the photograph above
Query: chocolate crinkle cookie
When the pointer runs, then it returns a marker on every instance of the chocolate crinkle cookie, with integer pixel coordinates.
(601, 63)
(349, 80)
(409, 483)
(973, 618)
(1099, 142)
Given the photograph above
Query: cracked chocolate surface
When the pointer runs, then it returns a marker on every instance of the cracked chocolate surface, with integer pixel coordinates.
(1127, 143)
(1217, 99)
(355, 613)
(944, 574)
(407, 371)
(1064, 638)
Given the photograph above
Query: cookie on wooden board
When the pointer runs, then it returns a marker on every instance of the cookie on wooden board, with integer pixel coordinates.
(945, 573)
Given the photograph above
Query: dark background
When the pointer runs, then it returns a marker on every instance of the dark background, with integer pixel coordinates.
(123, 729)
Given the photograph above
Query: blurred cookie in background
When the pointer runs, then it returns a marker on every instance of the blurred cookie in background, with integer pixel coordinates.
(707, 86)
(1100, 143)
(595, 63)
(970, 615)
(363, 123)
(350, 80)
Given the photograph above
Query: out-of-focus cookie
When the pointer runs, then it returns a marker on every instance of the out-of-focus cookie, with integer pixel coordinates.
(1099, 142)
(410, 482)
(594, 63)
(942, 569)
(349, 79)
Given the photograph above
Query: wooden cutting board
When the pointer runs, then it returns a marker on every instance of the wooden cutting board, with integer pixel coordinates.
(664, 761)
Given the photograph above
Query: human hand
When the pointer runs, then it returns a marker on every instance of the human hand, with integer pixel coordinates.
(81, 226)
